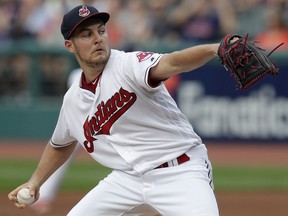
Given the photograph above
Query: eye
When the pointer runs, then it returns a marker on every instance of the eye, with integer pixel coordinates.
(101, 31)
(86, 34)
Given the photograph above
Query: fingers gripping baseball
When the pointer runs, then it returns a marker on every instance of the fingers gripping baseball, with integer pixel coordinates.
(23, 195)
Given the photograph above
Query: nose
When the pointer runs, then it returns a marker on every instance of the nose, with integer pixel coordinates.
(97, 37)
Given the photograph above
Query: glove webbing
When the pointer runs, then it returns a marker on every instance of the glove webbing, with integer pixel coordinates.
(245, 56)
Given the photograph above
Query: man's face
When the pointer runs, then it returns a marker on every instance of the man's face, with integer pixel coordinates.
(91, 43)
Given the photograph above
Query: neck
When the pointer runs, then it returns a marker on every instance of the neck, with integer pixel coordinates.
(90, 76)
(92, 72)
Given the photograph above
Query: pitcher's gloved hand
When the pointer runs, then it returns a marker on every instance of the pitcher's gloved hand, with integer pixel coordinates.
(247, 62)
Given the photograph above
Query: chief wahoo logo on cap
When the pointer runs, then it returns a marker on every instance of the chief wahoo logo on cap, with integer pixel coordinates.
(83, 12)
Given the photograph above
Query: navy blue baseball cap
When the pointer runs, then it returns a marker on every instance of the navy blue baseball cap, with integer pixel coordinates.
(77, 15)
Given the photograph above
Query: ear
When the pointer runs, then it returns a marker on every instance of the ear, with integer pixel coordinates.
(69, 46)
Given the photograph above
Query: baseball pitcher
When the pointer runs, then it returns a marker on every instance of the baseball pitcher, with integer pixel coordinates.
(119, 110)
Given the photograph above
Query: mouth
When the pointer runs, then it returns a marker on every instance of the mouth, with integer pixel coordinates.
(97, 50)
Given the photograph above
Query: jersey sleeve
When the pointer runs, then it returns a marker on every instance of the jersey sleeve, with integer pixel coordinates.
(61, 135)
(137, 66)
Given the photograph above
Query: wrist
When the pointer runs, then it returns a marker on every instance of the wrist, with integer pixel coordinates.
(215, 48)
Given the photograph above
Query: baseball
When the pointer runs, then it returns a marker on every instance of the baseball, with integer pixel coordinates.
(24, 197)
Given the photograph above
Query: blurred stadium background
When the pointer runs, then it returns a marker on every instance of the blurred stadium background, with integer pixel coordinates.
(34, 68)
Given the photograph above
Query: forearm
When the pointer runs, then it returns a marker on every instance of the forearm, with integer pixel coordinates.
(191, 58)
(184, 60)
(51, 160)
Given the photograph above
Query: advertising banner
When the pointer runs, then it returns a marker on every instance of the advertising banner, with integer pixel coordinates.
(218, 110)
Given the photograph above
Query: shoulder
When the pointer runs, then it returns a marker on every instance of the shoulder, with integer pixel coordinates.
(134, 57)
(117, 55)
(74, 86)
(74, 75)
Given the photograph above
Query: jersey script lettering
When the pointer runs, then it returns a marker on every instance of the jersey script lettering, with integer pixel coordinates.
(106, 115)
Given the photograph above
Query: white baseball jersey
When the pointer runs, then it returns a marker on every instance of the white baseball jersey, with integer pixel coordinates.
(126, 124)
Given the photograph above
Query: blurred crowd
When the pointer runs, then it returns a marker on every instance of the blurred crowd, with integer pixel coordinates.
(137, 23)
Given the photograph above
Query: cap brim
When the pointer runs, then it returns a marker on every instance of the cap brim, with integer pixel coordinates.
(101, 15)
